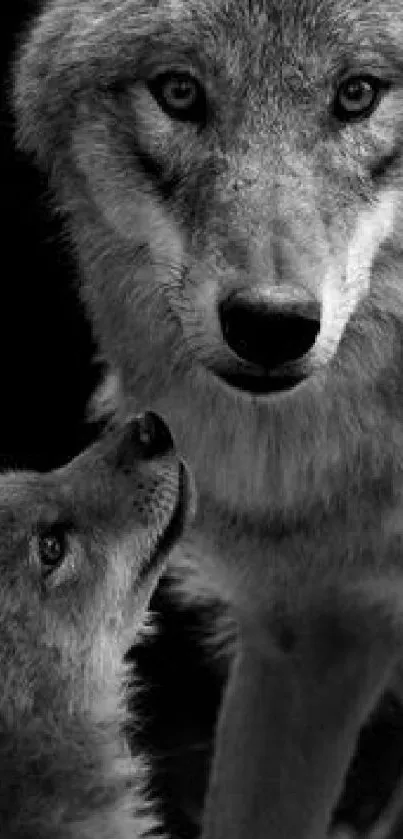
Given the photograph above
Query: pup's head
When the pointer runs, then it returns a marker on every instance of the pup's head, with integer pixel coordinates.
(80, 551)
(232, 172)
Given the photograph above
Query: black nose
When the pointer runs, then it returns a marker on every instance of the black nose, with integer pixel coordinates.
(152, 435)
(268, 334)
(145, 437)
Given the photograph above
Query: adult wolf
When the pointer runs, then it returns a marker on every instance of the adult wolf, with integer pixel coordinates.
(231, 177)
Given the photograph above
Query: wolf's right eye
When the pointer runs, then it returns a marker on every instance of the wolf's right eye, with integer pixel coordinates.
(357, 97)
(180, 95)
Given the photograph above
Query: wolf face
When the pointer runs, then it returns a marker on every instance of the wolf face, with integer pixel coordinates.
(80, 550)
(231, 175)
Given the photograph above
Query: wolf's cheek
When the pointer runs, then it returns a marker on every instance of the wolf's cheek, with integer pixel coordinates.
(122, 196)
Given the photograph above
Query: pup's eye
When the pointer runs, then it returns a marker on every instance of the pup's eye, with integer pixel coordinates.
(52, 547)
(357, 97)
(180, 96)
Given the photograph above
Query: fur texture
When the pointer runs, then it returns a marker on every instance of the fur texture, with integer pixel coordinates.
(272, 191)
(65, 626)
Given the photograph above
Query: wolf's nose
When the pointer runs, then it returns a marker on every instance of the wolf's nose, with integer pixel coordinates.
(269, 332)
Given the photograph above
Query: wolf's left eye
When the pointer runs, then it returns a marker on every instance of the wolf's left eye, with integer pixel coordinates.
(52, 547)
(357, 97)
(180, 95)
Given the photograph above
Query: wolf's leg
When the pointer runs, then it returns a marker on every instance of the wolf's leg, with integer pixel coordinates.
(287, 732)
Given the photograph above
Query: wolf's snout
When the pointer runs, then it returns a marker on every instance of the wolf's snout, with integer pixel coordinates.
(269, 330)
(146, 436)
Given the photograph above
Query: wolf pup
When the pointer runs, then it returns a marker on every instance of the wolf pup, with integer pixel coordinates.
(231, 176)
(81, 549)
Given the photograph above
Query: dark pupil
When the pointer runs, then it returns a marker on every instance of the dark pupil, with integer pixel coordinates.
(182, 92)
(356, 91)
(51, 549)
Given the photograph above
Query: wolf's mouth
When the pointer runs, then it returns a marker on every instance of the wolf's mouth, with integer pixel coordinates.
(261, 385)
(258, 381)
(368, 805)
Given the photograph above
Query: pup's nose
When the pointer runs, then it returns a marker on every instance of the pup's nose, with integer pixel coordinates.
(152, 435)
(145, 437)
(269, 332)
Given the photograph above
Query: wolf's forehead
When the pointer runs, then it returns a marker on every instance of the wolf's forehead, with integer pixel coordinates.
(298, 12)
(274, 15)
(122, 37)
(264, 38)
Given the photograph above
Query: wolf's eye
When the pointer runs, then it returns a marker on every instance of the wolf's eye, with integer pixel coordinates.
(180, 96)
(357, 97)
(52, 547)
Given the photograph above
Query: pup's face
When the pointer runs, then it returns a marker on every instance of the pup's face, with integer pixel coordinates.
(80, 551)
